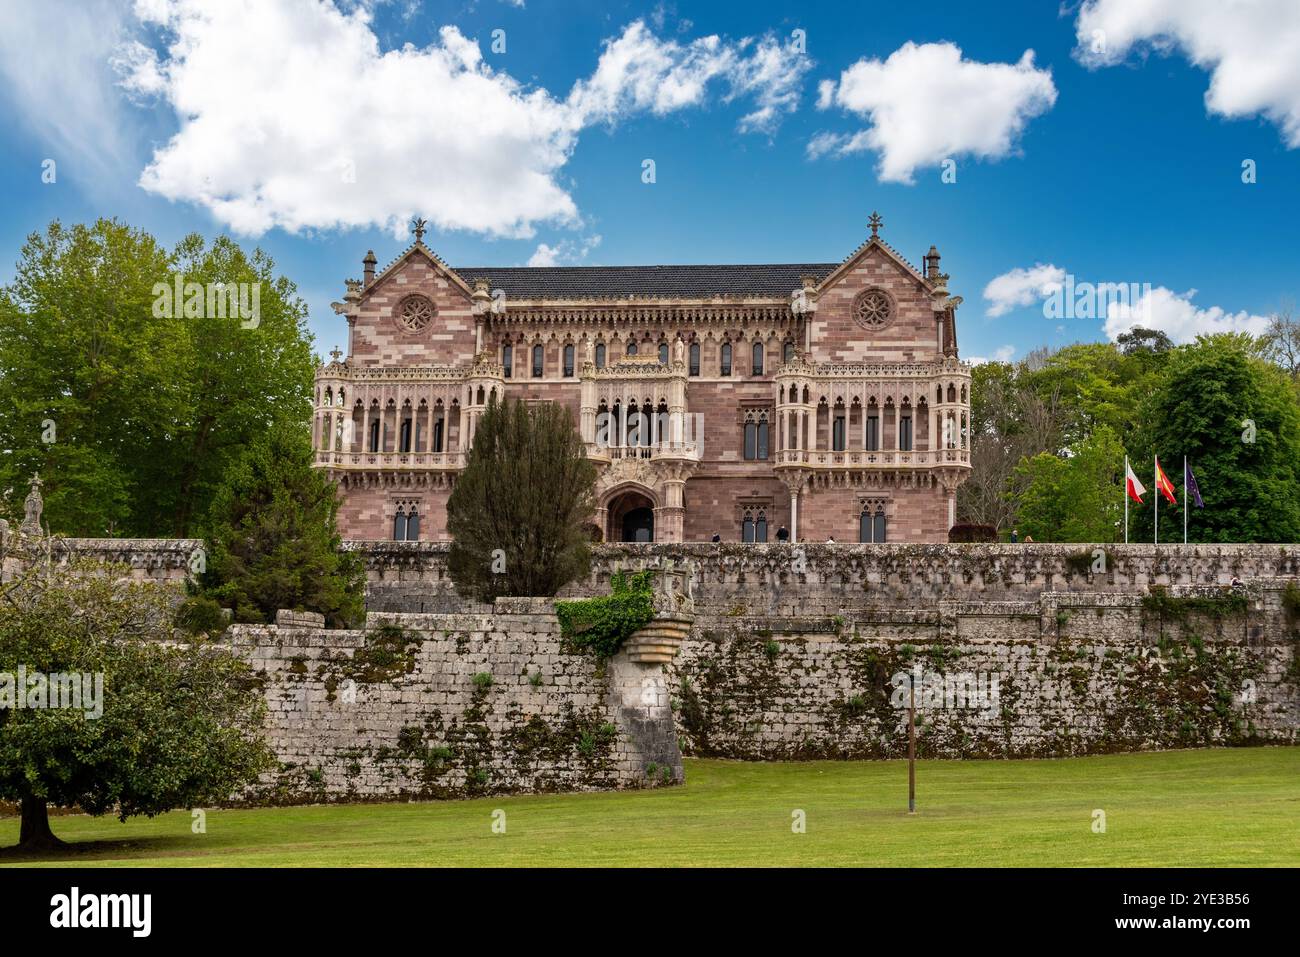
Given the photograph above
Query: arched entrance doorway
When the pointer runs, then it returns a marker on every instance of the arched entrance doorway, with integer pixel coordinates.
(631, 518)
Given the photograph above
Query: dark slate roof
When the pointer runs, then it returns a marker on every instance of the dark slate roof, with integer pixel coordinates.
(666, 282)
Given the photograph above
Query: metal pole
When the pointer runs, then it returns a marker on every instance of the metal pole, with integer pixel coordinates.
(911, 749)
(1126, 500)
(1155, 480)
(1185, 502)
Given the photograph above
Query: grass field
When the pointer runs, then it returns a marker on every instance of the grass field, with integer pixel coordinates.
(1182, 808)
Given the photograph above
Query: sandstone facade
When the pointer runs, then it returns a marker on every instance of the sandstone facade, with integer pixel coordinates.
(827, 398)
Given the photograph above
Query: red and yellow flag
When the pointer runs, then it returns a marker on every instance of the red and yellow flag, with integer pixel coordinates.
(1165, 486)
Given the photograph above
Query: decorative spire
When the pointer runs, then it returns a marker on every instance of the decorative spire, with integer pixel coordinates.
(336, 354)
(418, 225)
(875, 222)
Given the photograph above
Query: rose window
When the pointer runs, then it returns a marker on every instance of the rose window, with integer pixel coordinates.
(873, 309)
(415, 313)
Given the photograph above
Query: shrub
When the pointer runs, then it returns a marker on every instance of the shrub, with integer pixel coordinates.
(966, 533)
(602, 624)
(201, 615)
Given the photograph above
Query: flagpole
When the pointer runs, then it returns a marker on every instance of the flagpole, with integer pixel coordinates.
(1155, 480)
(1126, 500)
(1186, 503)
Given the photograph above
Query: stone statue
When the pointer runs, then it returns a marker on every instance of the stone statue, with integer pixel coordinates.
(588, 351)
(32, 506)
(679, 352)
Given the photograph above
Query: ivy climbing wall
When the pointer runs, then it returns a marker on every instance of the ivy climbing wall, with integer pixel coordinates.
(1072, 673)
(458, 705)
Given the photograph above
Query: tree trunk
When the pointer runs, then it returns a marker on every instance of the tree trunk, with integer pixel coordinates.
(35, 833)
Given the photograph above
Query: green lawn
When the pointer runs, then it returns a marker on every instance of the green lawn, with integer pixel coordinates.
(1181, 808)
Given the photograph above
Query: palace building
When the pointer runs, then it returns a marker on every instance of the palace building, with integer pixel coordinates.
(827, 399)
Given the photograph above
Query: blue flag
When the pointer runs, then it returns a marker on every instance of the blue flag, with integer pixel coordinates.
(1193, 491)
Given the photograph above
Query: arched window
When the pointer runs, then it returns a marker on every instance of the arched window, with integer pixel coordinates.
(399, 526)
(756, 367)
(871, 524)
(537, 362)
(695, 358)
(374, 436)
(905, 432)
(404, 436)
(437, 434)
(663, 353)
(600, 356)
(726, 358)
(788, 354)
(506, 359)
(413, 525)
(837, 430)
(568, 361)
(631, 348)
(756, 435)
(753, 526)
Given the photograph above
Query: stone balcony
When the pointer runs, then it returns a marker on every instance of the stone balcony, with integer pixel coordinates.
(861, 458)
(392, 461)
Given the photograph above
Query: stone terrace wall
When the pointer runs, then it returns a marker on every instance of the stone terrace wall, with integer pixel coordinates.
(454, 705)
(1070, 673)
(790, 581)
(792, 654)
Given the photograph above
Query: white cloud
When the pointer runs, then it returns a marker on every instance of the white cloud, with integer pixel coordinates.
(639, 72)
(1022, 287)
(564, 253)
(927, 104)
(304, 123)
(1000, 354)
(55, 68)
(1175, 315)
(1250, 47)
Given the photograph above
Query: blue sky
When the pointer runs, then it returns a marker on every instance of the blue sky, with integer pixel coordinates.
(1117, 169)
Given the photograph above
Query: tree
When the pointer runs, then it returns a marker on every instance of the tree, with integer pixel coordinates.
(273, 539)
(1075, 497)
(1236, 418)
(516, 514)
(171, 725)
(131, 404)
(1281, 341)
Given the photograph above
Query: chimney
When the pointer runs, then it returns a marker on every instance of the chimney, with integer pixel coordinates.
(368, 268)
(932, 263)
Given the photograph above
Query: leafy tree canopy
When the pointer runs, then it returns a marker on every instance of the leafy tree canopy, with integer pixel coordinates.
(273, 539)
(516, 514)
(178, 724)
(130, 404)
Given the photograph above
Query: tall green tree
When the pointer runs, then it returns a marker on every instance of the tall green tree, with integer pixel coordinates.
(170, 725)
(1236, 418)
(131, 404)
(517, 512)
(1075, 497)
(273, 539)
